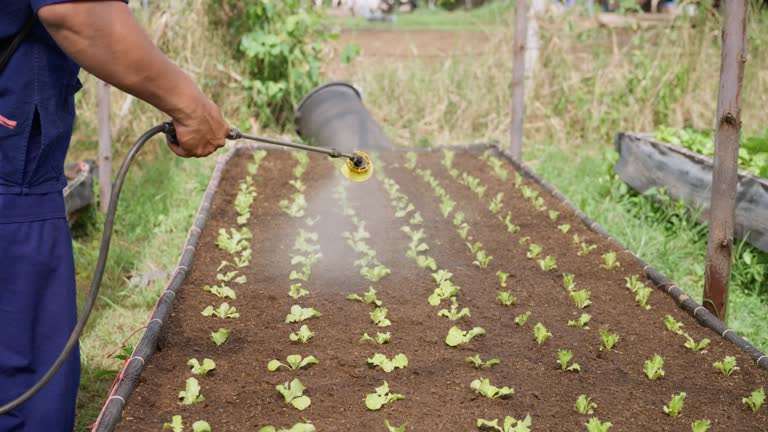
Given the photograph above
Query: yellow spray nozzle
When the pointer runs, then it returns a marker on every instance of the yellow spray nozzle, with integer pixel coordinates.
(358, 172)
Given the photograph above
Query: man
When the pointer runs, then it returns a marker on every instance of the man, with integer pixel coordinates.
(37, 87)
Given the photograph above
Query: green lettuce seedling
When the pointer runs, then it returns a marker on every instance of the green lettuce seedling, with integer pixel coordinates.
(424, 261)
(299, 314)
(568, 281)
(457, 336)
(458, 218)
(480, 364)
(547, 264)
(653, 368)
(522, 318)
(726, 366)
(221, 291)
(454, 313)
(702, 425)
(298, 184)
(581, 298)
(609, 261)
(176, 424)
(381, 338)
(584, 405)
(258, 156)
(391, 428)
(368, 298)
(191, 393)
(577, 239)
(533, 251)
(235, 241)
(446, 206)
(497, 165)
(293, 393)
(511, 424)
(303, 335)
(523, 240)
(541, 334)
(295, 207)
(224, 311)
(564, 228)
(496, 203)
(484, 387)
(411, 159)
(403, 212)
(756, 400)
(475, 247)
(675, 406)
(503, 276)
(220, 336)
(506, 298)
(482, 259)
(381, 396)
(444, 290)
(633, 283)
(565, 356)
(585, 249)
(292, 362)
(609, 339)
(416, 219)
(201, 369)
(538, 203)
(553, 214)
(297, 291)
(379, 317)
(581, 322)
(463, 231)
(693, 345)
(595, 425)
(511, 227)
(400, 361)
(231, 277)
(673, 325)
(642, 295)
(201, 426)
(518, 181)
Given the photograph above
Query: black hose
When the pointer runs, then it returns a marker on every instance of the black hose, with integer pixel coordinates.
(98, 273)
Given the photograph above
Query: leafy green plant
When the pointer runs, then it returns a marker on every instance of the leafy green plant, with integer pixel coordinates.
(510, 424)
(581, 322)
(522, 318)
(411, 158)
(675, 406)
(295, 207)
(231, 277)
(541, 334)
(191, 393)
(584, 405)
(696, 346)
(523, 240)
(496, 203)
(298, 427)
(585, 248)
(299, 314)
(502, 278)
(221, 291)
(609, 261)
(581, 298)
(258, 156)
(654, 368)
(233, 241)
(726, 366)
(424, 261)
(478, 363)
(220, 336)
(458, 218)
(642, 295)
(474, 184)
(457, 336)
(497, 167)
(533, 251)
(293, 393)
(201, 369)
(506, 298)
(484, 387)
(564, 228)
(201, 426)
(446, 206)
(380, 397)
(565, 356)
(609, 339)
(176, 424)
(445, 289)
(298, 184)
(416, 219)
(702, 425)
(755, 400)
(399, 361)
(367, 298)
(463, 231)
(595, 425)
(391, 428)
(482, 259)
(223, 311)
(511, 227)
(569, 282)
(297, 291)
(673, 325)
(547, 264)
(381, 338)
(553, 214)
(292, 362)
(303, 335)
(379, 317)
(633, 283)
(454, 313)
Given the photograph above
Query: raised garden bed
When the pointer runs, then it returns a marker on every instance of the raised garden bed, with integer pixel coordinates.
(514, 217)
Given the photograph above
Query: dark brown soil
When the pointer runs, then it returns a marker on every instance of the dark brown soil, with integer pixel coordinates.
(240, 394)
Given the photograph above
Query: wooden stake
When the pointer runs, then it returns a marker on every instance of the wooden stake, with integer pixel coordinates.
(518, 82)
(105, 148)
(725, 171)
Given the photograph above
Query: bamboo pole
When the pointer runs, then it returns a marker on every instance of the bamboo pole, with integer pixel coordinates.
(518, 82)
(105, 148)
(725, 171)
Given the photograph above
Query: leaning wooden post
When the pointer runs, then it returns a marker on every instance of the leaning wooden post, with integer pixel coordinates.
(518, 82)
(725, 171)
(105, 148)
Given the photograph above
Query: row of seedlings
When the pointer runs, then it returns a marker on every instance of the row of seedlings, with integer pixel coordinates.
(305, 254)
(236, 242)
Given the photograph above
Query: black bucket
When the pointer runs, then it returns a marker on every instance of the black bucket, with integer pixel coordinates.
(333, 116)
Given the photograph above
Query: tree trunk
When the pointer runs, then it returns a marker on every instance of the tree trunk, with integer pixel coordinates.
(518, 81)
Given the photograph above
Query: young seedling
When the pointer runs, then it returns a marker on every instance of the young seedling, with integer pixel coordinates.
(201, 369)
(675, 406)
(293, 393)
(484, 387)
(379, 317)
(693, 345)
(511, 227)
(391, 428)
(506, 298)
(416, 219)
(581, 322)
(298, 184)
(399, 361)
(444, 290)
(502, 278)
(654, 368)
(538, 203)
(380, 397)
(298, 427)
(482, 259)
(458, 218)
(642, 295)
(176, 424)
(297, 291)
(497, 165)
(511, 424)
(299, 314)
(565, 356)
(522, 318)
(523, 240)
(533, 251)
(457, 336)
(231, 277)
(702, 425)
(726, 366)
(424, 261)
(609, 339)
(220, 336)
(375, 274)
(411, 159)
(541, 334)
(518, 181)
(403, 212)
(577, 239)
(201, 426)
(235, 241)
(633, 283)
(191, 393)
(547, 264)
(553, 215)
(221, 291)
(454, 313)
(595, 425)
(446, 206)
(381, 338)
(296, 206)
(564, 228)
(581, 298)
(673, 325)
(496, 203)
(258, 156)
(755, 401)
(609, 261)
(584, 405)
(480, 364)
(292, 362)
(224, 311)
(367, 298)
(303, 335)
(463, 231)
(585, 249)
(568, 281)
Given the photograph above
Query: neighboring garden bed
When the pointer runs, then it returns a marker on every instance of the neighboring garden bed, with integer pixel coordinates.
(472, 215)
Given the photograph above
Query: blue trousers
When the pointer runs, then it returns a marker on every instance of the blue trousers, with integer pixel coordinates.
(37, 313)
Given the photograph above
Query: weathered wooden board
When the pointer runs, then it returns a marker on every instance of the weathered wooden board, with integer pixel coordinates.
(645, 163)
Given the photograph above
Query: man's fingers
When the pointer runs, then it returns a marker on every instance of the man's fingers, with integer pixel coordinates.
(178, 150)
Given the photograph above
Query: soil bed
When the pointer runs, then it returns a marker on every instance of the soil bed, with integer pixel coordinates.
(240, 394)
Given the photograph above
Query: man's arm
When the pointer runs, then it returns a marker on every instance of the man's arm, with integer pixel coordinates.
(104, 38)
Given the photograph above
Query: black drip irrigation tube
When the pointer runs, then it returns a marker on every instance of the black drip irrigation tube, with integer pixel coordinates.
(129, 375)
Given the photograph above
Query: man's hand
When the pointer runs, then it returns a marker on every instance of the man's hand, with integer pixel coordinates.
(104, 38)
